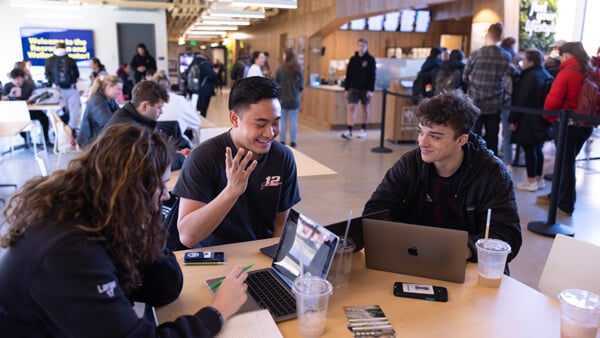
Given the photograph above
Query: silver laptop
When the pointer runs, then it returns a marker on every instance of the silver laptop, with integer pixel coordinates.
(304, 245)
(417, 250)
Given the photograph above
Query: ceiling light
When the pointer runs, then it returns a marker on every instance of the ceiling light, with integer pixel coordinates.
(221, 21)
(228, 13)
(220, 33)
(214, 44)
(213, 28)
(181, 41)
(290, 4)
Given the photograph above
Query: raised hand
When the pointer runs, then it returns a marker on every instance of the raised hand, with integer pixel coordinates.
(238, 170)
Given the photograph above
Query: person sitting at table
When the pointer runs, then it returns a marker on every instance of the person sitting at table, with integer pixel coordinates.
(99, 108)
(147, 101)
(21, 88)
(81, 244)
(451, 179)
(240, 185)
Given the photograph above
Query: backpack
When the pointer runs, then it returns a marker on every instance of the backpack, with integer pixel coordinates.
(62, 72)
(588, 100)
(194, 83)
(420, 85)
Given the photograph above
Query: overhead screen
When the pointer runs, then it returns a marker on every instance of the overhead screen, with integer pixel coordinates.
(407, 21)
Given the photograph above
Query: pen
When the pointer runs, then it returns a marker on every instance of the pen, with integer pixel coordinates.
(218, 283)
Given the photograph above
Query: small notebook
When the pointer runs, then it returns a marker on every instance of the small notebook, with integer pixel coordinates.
(250, 325)
(368, 321)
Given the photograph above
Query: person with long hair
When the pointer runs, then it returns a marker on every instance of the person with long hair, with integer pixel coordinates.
(79, 245)
(574, 65)
(528, 130)
(257, 61)
(290, 78)
(99, 108)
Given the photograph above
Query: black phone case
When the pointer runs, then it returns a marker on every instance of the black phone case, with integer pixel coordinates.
(219, 257)
(440, 294)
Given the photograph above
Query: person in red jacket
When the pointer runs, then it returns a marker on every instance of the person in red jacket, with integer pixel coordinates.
(575, 63)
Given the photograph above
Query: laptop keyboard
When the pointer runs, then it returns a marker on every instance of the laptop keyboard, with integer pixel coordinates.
(270, 294)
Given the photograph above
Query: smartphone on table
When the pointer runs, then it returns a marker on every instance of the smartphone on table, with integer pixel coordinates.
(421, 291)
(204, 258)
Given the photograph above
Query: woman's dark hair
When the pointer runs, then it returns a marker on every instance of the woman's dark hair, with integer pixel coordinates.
(291, 61)
(255, 56)
(250, 90)
(535, 56)
(576, 49)
(456, 55)
(453, 109)
(109, 192)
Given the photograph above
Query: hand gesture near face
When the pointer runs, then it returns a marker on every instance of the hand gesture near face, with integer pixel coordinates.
(238, 170)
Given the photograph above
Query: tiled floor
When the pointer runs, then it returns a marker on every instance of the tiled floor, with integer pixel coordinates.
(329, 198)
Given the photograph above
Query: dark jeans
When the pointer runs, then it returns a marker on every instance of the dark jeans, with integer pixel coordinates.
(491, 122)
(576, 137)
(534, 159)
(202, 104)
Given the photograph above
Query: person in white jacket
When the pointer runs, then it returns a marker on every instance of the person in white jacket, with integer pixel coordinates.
(257, 60)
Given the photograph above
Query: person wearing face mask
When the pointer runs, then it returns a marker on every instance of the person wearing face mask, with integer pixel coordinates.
(553, 59)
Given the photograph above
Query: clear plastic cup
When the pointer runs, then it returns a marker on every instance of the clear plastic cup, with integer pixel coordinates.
(312, 296)
(491, 259)
(579, 313)
(339, 273)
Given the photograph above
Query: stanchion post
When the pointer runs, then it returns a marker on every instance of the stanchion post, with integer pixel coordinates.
(550, 228)
(381, 148)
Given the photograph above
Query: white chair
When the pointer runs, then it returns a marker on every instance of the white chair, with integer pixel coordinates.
(63, 135)
(17, 111)
(571, 264)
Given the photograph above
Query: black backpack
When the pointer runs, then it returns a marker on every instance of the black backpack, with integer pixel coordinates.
(62, 72)
(419, 88)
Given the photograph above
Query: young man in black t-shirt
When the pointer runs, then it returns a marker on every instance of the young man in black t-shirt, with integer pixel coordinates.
(239, 186)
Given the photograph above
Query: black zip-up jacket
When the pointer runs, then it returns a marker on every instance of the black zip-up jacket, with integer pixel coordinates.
(360, 73)
(58, 282)
(485, 184)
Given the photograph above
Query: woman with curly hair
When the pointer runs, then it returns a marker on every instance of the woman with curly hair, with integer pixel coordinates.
(80, 245)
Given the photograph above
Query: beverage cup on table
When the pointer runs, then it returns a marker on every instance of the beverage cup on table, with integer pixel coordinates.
(312, 295)
(579, 313)
(491, 259)
(339, 273)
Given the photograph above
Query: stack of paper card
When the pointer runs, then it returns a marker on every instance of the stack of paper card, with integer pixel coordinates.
(368, 321)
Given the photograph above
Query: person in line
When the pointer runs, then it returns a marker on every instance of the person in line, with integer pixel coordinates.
(256, 62)
(240, 185)
(449, 77)
(147, 101)
(451, 179)
(178, 108)
(123, 73)
(552, 61)
(20, 88)
(574, 64)
(142, 62)
(98, 69)
(528, 130)
(289, 77)
(100, 107)
(266, 68)
(484, 73)
(359, 86)
(62, 72)
(83, 243)
(203, 82)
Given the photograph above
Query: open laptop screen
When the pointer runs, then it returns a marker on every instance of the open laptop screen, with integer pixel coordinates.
(304, 242)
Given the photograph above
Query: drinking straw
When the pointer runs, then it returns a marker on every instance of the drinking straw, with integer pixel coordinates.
(487, 224)
(347, 229)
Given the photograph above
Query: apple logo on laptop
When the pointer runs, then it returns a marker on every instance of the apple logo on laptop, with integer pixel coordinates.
(413, 251)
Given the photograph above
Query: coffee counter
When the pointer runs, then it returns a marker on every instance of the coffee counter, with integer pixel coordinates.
(324, 107)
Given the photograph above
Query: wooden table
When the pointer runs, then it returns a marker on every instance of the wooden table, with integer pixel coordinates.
(513, 310)
(45, 106)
